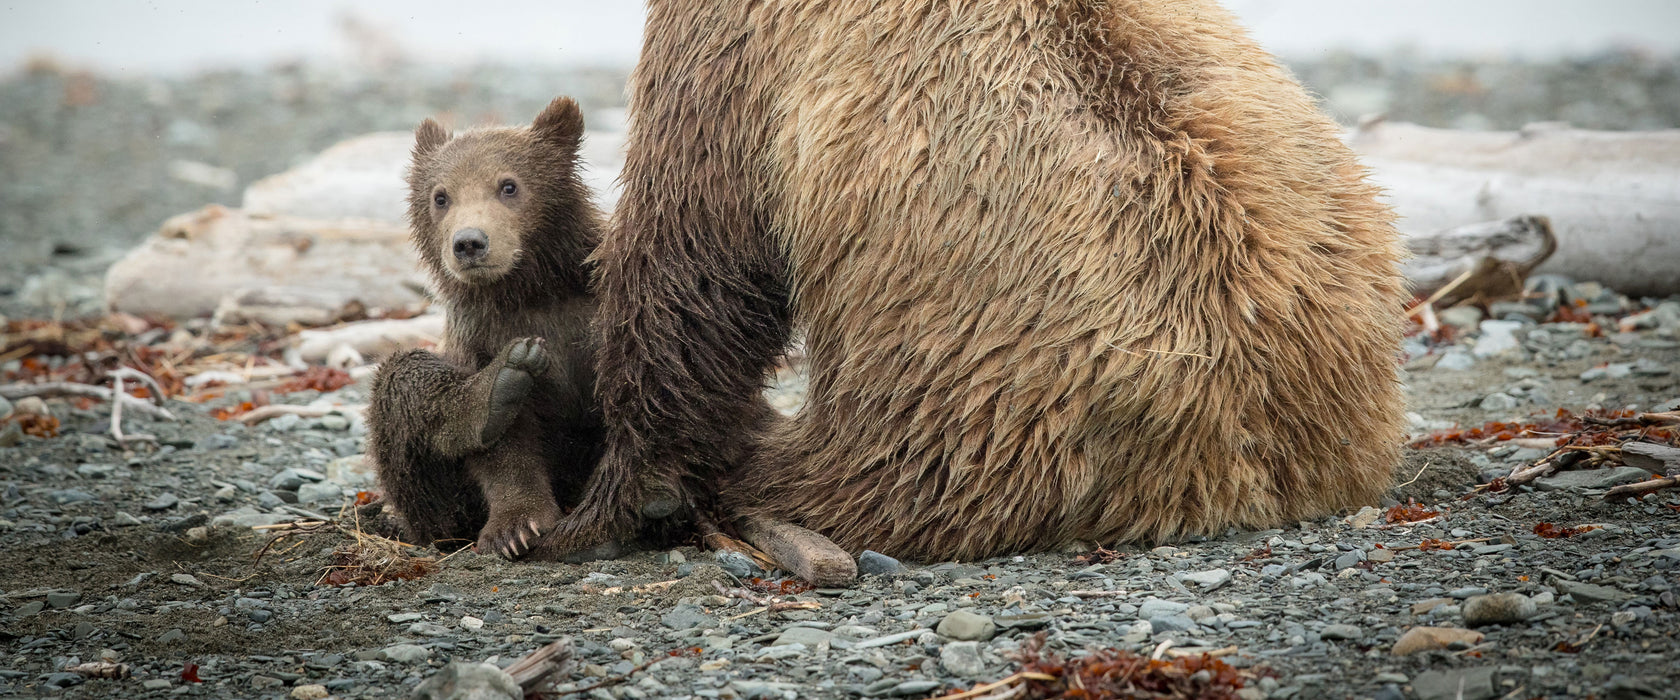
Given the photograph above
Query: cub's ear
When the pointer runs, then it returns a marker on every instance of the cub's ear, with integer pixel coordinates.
(560, 122)
(428, 137)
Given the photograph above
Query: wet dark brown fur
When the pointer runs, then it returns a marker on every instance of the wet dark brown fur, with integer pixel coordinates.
(489, 439)
(1069, 270)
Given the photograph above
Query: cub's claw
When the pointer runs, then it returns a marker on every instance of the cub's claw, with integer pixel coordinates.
(513, 540)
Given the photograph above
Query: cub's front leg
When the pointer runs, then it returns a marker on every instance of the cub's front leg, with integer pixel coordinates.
(482, 407)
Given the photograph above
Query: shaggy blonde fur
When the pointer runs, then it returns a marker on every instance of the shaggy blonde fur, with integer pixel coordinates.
(1069, 269)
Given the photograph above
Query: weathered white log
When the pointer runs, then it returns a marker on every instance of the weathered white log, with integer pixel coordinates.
(198, 260)
(1613, 198)
(359, 178)
(373, 340)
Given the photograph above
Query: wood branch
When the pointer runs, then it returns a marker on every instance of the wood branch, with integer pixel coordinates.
(808, 555)
(1639, 490)
(373, 340)
(540, 667)
(1613, 198)
(12, 392)
(263, 413)
(139, 376)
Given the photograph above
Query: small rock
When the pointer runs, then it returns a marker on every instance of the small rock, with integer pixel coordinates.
(1024, 621)
(60, 600)
(1456, 360)
(962, 659)
(1208, 580)
(1462, 317)
(260, 616)
(1138, 632)
(1591, 479)
(68, 496)
(1348, 560)
(471, 623)
(872, 562)
(1498, 401)
(400, 618)
(5, 408)
(736, 564)
(310, 692)
(172, 637)
(428, 629)
(164, 501)
(156, 684)
(405, 653)
(31, 406)
(320, 493)
(1365, 517)
(1590, 592)
(185, 579)
(1458, 684)
(810, 637)
(964, 625)
(1497, 609)
(686, 617)
(1419, 639)
(10, 435)
(1154, 607)
(1171, 623)
(775, 653)
(1342, 632)
(462, 680)
(1380, 556)
(1498, 338)
(908, 688)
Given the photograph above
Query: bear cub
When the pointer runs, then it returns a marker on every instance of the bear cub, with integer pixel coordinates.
(488, 439)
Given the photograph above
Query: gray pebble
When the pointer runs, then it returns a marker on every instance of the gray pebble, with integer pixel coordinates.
(164, 501)
(964, 625)
(872, 562)
(405, 653)
(469, 681)
(962, 659)
(1342, 632)
(60, 600)
(736, 564)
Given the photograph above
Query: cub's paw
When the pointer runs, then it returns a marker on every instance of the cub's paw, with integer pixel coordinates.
(512, 535)
(521, 362)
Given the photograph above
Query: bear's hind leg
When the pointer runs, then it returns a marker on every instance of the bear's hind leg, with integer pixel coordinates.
(514, 477)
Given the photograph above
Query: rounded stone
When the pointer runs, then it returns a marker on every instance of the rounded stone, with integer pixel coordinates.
(1498, 609)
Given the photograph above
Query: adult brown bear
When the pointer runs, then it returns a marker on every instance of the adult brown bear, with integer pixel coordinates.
(1069, 269)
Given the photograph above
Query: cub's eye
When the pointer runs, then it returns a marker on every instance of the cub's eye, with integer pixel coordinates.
(441, 200)
(508, 188)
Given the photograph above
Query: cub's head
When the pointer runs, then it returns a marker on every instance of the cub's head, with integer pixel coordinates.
(503, 207)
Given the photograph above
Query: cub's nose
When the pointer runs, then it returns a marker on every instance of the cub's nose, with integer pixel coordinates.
(471, 245)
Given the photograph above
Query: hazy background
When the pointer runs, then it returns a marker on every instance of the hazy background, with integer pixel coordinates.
(123, 36)
(117, 114)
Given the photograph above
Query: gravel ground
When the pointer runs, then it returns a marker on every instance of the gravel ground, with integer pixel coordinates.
(99, 561)
(148, 558)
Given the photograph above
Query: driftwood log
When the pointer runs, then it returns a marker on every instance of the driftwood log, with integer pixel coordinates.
(372, 340)
(808, 555)
(1613, 198)
(198, 261)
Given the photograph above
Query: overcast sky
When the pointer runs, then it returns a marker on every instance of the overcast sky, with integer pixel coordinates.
(136, 36)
